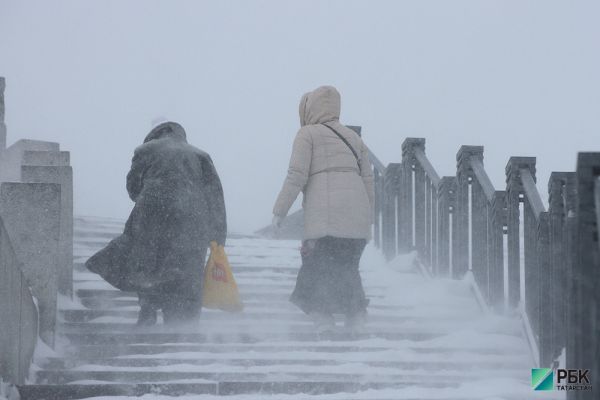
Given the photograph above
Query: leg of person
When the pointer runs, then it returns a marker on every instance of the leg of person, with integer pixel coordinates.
(310, 293)
(183, 304)
(302, 294)
(356, 301)
(148, 309)
(336, 286)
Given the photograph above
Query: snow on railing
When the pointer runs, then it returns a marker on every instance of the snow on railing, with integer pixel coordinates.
(461, 224)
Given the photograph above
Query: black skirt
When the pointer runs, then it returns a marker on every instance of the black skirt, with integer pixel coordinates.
(329, 280)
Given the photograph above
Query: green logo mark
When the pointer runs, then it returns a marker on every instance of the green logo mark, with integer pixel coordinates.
(542, 379)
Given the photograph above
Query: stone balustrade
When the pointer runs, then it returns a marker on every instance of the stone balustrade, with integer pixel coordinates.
(461, 225)
(36, 210)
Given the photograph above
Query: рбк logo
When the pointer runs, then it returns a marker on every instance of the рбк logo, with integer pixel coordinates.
(567, 379)
(576, 379)
(542, 379)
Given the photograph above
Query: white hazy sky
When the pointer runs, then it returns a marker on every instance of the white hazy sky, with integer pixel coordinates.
(519, 77)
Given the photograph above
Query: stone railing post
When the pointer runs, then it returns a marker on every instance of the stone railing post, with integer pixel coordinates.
(413, 198)
(12, 158)
(535, 250)
(544, 307)
(41, 171)
(432, 217)
(389, 211)
(464, 178)
(2, 113)
(497, 230)
(378, 189)
(18, 316)
(378, 178)
(514, 197)
(446, 206)
(31, 214)
(561, 187)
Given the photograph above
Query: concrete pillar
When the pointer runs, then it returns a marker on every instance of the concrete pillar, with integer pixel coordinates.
(2, 113)
(544, 295)
(12, 159)
(559, 185)
(419, 211)
(496, 229)
(389, 214)
(378, 185)
(31, 214)
(18, 316)
(514, 198)
(463, 216)
(412, 198)
(446, 204)
(41, 158)
(476, 215)
(432, 207)
(62, 175)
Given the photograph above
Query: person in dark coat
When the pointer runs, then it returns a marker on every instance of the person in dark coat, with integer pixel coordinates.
(179, 208)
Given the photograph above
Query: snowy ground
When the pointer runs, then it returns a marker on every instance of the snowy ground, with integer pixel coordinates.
(427, 339)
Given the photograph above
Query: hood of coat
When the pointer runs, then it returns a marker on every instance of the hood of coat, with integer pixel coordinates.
(168, 129)
(321, 105)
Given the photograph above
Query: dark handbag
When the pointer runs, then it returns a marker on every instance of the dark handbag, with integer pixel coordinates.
(349, 146)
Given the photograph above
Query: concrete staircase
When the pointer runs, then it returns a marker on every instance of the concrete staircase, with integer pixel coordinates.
(426, 338)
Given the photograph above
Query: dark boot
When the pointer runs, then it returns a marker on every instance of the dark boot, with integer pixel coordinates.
(148, 310)
(181, 312)
(323, 322)
(147, 316)
(355, 323)
(182, 302)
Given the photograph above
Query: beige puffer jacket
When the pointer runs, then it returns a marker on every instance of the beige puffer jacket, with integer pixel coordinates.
(338, 201)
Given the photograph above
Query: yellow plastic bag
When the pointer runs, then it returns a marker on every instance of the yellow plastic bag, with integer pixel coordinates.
(220, 289)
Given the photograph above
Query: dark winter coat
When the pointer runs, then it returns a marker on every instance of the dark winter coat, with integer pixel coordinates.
(179, 209)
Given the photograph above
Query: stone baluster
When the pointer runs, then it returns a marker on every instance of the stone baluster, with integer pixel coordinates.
(446, 205)
(2, 113)
(514, 197)
(558, 186)
(378, 186)
(432, 225)
(413, 198)
(389, 214)
(464, 176)
(497, 230)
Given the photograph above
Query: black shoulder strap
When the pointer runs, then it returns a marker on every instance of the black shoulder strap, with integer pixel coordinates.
(349, 146)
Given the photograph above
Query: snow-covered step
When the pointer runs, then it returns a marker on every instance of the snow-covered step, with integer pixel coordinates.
(253, 314)
(258, 327)
(266, 359)
(425, 338)
(116, 338)
(310, 350)
(245, 390)
(279, 372)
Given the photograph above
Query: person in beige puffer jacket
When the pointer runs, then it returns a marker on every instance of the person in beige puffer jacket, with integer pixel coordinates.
(336, 179)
